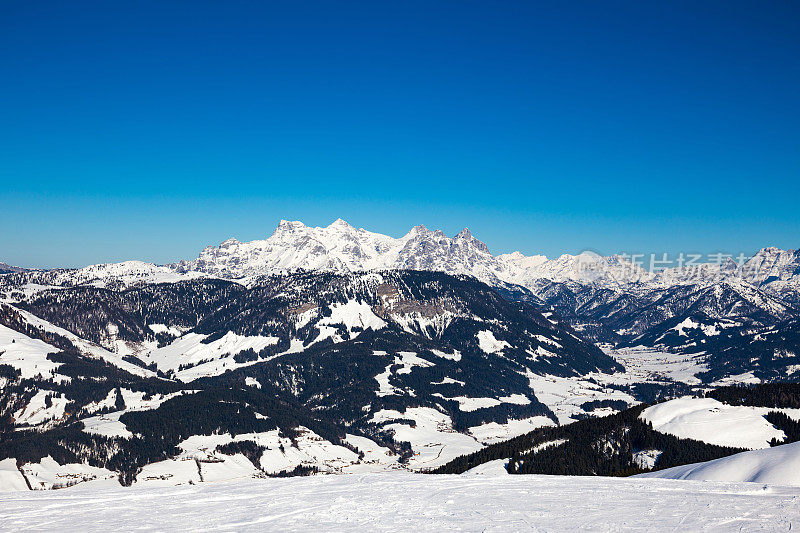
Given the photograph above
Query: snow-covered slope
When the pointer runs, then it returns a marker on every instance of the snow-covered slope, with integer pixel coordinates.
(29, 352)
(11, 479)
(407, 502)
(711, 421)
(27, 355)
(779, 465)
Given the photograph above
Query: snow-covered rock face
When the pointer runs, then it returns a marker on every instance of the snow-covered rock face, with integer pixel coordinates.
(292, 246)
(773, 263)
(341, 247)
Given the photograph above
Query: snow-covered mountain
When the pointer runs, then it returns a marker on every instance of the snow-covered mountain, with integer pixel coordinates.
(8, 269)
(338, 349)
(342, 248)
(299, 372)
(610, 300)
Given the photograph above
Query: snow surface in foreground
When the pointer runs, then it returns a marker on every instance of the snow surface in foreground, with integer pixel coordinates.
(409, 502)
(780, 464)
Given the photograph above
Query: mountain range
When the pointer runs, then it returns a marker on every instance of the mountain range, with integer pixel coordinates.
(338, 349)
(340, 247)
(707, 308)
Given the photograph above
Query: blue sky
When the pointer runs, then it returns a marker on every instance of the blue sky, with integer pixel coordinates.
(147, 130)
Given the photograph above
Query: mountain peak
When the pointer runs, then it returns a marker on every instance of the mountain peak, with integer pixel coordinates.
(418, 230)
(340, 247)
(341, 224)
(5, 268)
(521, 260)
(464, 234)
(291, 224)
(772, 251)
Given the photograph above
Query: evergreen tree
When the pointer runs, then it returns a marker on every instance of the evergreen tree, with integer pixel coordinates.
(120, 403)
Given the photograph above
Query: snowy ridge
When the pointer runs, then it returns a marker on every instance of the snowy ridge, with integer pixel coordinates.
(106, 275)
(340, 247)
(779, 465)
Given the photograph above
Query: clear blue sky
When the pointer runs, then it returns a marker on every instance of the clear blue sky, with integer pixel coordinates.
(148, 129)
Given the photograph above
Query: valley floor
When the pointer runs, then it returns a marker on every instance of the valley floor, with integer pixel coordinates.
(412, 502)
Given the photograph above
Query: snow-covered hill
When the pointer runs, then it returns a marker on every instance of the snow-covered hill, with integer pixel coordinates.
(672, 433)
(779, 465)
(711, 421)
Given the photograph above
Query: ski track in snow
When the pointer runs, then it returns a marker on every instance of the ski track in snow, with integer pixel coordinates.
(409, 502)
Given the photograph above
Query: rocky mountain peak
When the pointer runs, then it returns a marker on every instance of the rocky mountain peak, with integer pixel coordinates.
(340, 224)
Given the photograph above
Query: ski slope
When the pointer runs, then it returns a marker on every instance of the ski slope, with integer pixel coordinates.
(411, 502)
(780, 465)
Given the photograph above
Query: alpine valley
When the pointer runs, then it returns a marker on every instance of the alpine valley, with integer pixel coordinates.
(338, 350)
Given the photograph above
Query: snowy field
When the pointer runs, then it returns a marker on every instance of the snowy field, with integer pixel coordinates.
(707, 420)
(412, 502)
